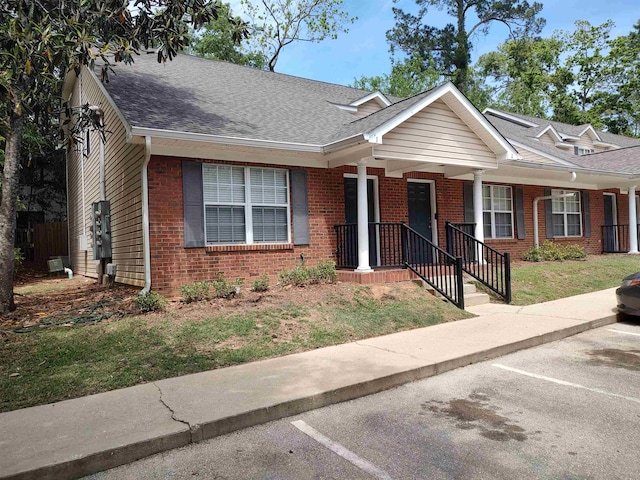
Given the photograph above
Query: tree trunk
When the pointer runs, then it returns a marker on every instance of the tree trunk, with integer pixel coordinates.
(8, 210)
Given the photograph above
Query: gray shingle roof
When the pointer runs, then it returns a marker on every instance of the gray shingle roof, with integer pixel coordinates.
(625, 160)
(192, 94)
(622, 160)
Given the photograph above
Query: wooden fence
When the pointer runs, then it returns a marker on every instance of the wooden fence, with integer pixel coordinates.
(50, 240)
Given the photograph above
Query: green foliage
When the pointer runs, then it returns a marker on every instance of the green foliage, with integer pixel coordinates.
(217, 40)
(324, 272)
(297, 277)
(450, 46)
(195, 292)
(226, 289)
(261, 284)
(556, 252)
(407, 78)
(275, 24)
(150, 301)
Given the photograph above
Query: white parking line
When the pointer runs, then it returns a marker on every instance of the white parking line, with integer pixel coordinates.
(338, 449)
(622, 331)
(567, 384)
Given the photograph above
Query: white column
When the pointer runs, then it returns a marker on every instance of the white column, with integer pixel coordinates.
(363, 219)
(478, 218)
(633, 221)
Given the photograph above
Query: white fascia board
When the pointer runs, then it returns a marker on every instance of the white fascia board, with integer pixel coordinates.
(564, 145)
(605, 144)
(346, 108)
(542, 154)
(223, 140)
(553, 130)
(375, 135)
(593, 130)
(569, 137)
(511, 118)
(377, 95)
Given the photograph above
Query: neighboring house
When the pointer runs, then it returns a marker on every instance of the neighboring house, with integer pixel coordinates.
(212, 167)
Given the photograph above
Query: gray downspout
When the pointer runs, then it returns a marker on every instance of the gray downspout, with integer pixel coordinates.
(145, 216)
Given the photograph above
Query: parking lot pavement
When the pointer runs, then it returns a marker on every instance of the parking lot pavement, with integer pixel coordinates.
(568, 409)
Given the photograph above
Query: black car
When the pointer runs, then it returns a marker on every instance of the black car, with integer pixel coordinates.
(628, 295)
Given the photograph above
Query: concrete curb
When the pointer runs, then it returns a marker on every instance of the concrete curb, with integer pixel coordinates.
(124, 454)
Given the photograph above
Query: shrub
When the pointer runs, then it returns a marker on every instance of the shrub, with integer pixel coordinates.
(296, 277)
(261, 284)
(324, 272)
(225, 289)
(195, 292)
(150, 302)
(551, 251)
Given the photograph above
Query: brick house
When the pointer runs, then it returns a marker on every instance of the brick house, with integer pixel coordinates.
(212, 167)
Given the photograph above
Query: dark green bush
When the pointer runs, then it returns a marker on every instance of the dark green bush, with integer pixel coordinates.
(324, 272)
(555, 252)
(195, 292)
(150, 302)
(261, 284)
(226, 289)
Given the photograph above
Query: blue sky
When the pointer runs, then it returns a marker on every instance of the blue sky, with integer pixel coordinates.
(364, 50)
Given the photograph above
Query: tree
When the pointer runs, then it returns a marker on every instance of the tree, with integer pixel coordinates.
(587, 59)
(278, 23)
(407, 78)
(42, 40)
(217, 40)
(450, 46)
(522, 73)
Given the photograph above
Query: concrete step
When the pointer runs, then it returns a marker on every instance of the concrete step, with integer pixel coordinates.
(468, 288)
(474, 299)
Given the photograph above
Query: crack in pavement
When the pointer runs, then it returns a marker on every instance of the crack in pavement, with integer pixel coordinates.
(389, 351)
(173, 413)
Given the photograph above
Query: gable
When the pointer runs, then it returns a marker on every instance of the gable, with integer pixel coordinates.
(367, 108)
(436, 134)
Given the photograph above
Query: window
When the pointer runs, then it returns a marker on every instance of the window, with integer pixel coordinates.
(245, 204)
(497, 210)
(582, 151)
(566, 213)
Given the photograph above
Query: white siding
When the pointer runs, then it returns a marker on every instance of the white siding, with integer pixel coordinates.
(437, 135)
(535, 158)
(123, 189)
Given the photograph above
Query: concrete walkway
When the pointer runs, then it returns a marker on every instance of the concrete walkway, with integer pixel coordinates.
(76, 437)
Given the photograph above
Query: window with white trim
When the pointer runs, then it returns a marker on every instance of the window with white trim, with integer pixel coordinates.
(566, 214)
(583, 151)
(497, 211)
(245, 205)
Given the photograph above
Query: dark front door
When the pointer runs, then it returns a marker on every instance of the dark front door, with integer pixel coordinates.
(351, 216)
(420, 218)
(610, 232)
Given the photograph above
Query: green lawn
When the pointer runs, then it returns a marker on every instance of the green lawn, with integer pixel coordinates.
(542, 282)
(68, 362)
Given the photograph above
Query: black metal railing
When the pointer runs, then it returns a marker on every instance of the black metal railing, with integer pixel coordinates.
(487, 265)
(434, 265)
(385, 244)
(397, 245)
(615, 238)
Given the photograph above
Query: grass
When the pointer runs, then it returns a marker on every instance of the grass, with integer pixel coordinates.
(542, 282)
(67, 362)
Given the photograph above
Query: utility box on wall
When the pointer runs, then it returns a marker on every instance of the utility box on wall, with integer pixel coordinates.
(101, 229)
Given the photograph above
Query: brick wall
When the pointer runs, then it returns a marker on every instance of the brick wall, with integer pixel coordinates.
(173, 265)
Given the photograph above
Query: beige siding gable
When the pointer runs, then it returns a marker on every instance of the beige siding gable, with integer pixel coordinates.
(123, 181)
(548, 138)
(436, 135)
